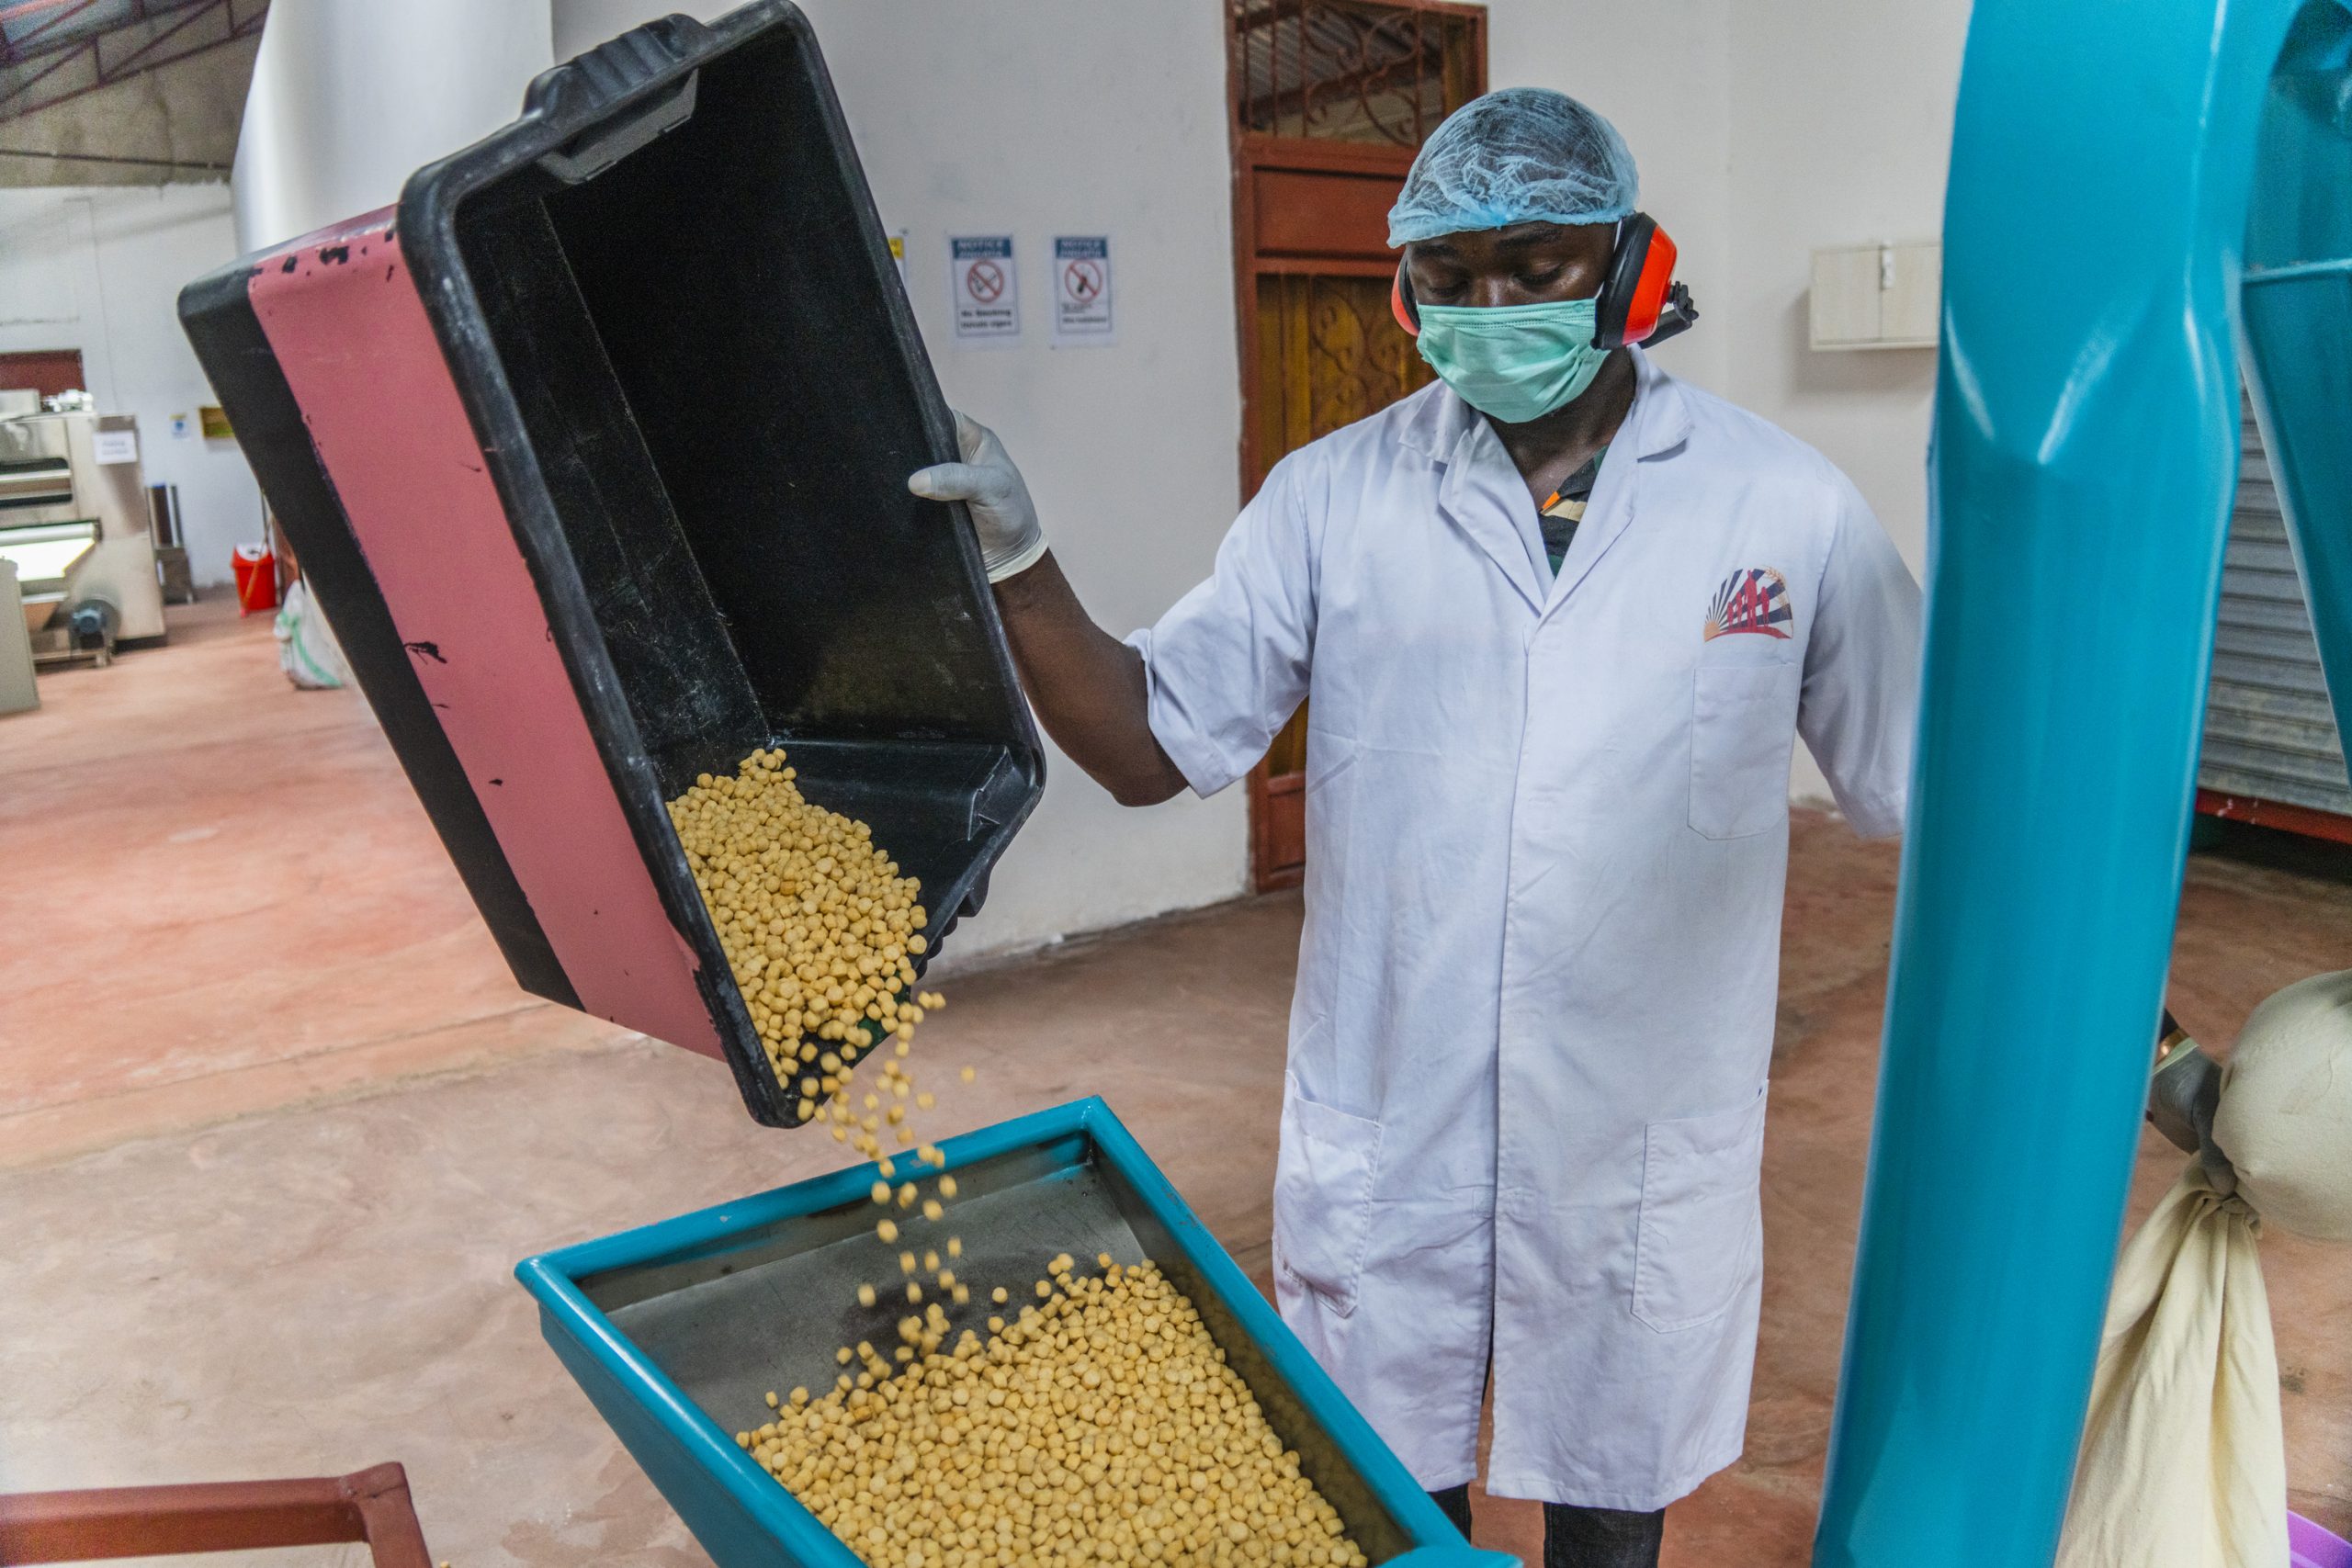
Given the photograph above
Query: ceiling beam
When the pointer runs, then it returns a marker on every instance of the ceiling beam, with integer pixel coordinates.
(105, 74)
(14, 50)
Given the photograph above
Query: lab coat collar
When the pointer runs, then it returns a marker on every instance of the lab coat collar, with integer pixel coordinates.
(1656, 426)
(1482, 493)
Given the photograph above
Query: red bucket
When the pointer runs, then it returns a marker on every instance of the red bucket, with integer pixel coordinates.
(256, 579)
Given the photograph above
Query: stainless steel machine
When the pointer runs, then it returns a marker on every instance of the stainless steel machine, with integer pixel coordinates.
(74, 519)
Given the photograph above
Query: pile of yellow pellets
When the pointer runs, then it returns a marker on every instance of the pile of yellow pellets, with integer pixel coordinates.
(1102, 1425)
(822, 933)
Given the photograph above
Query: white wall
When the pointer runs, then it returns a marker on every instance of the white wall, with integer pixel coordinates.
(1840, 129)
(1036, 119)
(100, 269)
(349, 96)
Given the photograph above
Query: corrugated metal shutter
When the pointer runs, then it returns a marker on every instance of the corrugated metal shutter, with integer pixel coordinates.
(2269, 732)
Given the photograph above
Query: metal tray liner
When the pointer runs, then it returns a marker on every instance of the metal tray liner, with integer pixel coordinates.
(768, 1311)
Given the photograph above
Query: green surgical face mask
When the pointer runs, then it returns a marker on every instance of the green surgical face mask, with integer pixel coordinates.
(1513, 362)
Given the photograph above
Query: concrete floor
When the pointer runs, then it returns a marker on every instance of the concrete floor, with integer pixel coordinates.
(274, 1125)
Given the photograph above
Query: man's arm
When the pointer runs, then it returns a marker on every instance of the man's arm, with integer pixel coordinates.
(1862, 670)
(1193, 702)
(1087, 686)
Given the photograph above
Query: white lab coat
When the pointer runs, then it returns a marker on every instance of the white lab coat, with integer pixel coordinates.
(1547, 833)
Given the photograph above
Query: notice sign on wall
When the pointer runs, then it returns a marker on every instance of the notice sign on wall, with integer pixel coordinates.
(1082, 289)
(983, 289)
(114, 446)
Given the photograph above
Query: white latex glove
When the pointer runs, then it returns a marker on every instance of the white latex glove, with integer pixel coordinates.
(1003, 514)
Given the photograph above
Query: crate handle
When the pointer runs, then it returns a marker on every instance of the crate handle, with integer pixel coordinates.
(609, 74)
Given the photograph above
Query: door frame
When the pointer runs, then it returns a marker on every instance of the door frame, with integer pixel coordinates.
(1255, 155)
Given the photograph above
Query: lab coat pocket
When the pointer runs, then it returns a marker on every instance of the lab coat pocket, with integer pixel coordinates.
(1323, 1196)
(1702, 1232)
(1743, 726)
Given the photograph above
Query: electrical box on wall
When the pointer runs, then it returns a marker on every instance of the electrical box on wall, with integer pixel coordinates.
(1881, 296)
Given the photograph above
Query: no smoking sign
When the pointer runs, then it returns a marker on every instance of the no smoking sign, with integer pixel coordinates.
(984, 289)
(1082, 290)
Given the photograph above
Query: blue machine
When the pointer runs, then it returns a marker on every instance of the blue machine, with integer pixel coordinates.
(676, 1330)
(2138, 193)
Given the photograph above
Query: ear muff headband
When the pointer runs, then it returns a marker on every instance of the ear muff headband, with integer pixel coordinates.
(1640, 284)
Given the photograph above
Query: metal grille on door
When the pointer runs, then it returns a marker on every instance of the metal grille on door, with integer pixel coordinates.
(2269, 732)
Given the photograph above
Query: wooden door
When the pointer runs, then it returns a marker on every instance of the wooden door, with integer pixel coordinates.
(1330, 100)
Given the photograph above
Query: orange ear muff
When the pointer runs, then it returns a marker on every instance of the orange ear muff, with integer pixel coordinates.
(1641, 281)
(1402, 305)
(1650, 289)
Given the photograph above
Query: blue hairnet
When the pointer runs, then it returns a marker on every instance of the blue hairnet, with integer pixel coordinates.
(1524, 154)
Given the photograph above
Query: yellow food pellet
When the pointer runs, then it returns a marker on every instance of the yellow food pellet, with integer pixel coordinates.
(866, 1295)
(932, 1209)
(1045, 1289)
(999, 1295)
(967, 1075)
(800, 1396)
(842, 1356)
(926, 1100)
(886, 1168)
(881, 1192)
(946, 1278)
(947, 1187)
(887, 1230)
(818, 926)
(771, 1399)
(914, 1291)
(1103, 1427)
(963, 1293)
(906, 1262)
(1061, 1265)
(1102, 1259)
(931, 1260)
(907, 1196)
(955, 1247)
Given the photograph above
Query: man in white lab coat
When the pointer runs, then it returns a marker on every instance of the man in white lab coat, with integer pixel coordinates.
(1560, 619)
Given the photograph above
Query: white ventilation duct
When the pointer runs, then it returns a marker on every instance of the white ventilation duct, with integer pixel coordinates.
(348, 97)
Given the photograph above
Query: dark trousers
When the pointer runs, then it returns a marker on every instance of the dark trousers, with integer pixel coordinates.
(1579, 1538)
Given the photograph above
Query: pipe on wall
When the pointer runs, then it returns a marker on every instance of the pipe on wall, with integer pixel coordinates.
(349, 96)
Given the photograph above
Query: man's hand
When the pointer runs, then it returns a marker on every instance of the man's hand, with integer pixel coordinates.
(1012, 541)
(1087, 686)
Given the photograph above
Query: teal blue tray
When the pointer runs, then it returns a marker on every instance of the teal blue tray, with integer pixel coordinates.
(677, 1329)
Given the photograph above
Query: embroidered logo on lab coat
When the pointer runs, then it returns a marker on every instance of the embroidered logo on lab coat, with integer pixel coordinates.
(1753, 599)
